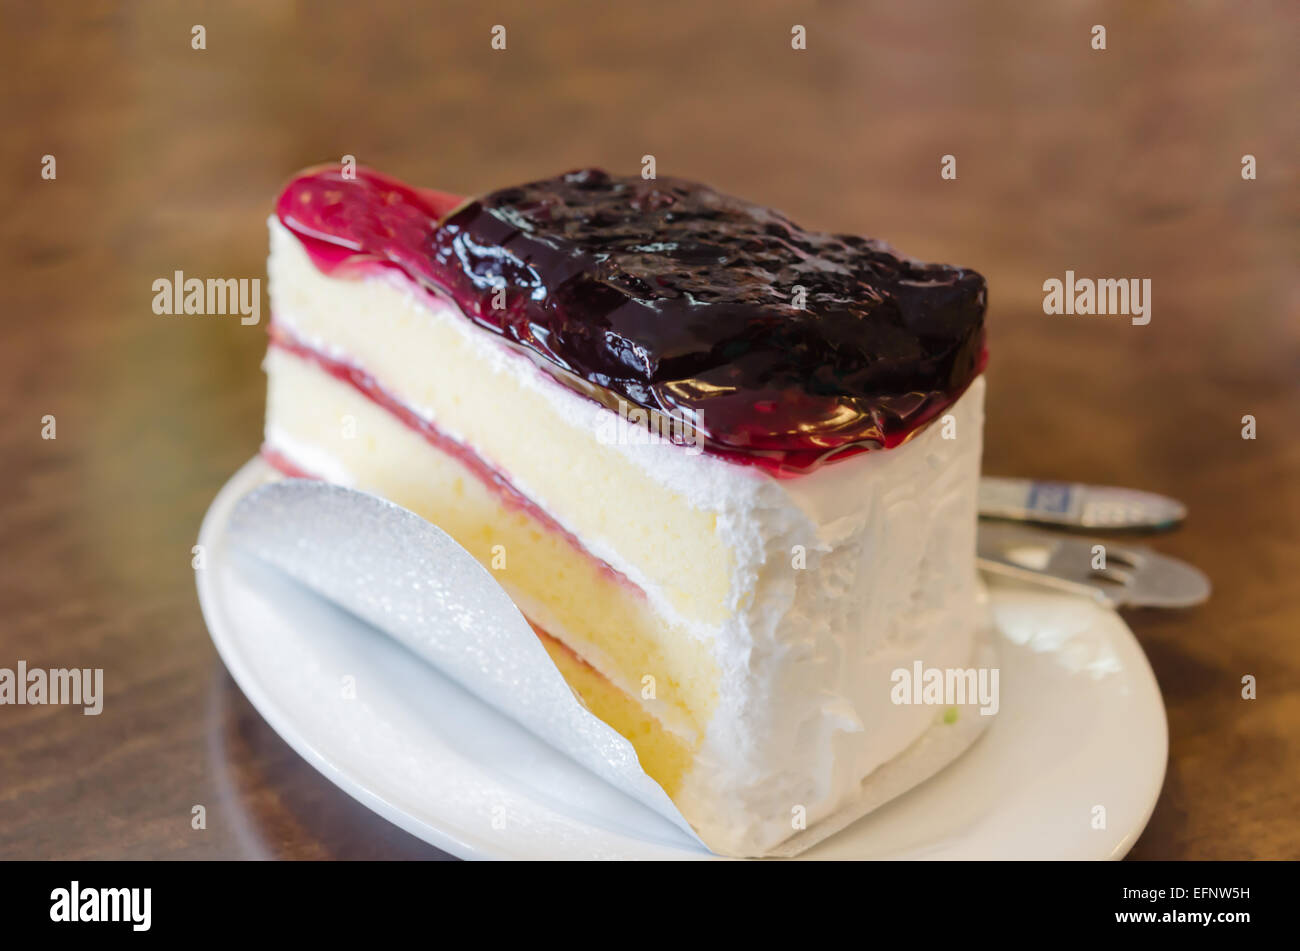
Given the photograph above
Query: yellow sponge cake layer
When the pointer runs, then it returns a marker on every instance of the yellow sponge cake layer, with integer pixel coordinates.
(328, 428)
(473, 396)
(664, 756)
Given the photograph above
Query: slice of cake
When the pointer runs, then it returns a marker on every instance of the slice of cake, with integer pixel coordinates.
(699, 445)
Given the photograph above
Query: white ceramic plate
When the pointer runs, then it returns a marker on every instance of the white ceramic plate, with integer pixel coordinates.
(1070, 768)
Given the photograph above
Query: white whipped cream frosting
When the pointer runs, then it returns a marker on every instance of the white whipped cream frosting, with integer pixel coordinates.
(806, 654)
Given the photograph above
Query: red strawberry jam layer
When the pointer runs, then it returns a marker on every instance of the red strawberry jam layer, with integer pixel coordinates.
(783, 347)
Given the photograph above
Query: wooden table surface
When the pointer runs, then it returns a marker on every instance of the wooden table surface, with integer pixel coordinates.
(1123, 162)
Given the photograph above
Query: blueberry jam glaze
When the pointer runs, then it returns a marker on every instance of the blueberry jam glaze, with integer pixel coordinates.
(785, 348)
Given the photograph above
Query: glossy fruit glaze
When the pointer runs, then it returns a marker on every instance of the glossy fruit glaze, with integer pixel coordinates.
(783, 347)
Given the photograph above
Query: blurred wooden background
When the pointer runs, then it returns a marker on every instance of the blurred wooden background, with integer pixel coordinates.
(1118, 163)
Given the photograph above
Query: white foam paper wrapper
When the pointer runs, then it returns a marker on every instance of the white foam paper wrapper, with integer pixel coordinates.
(410, 579)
